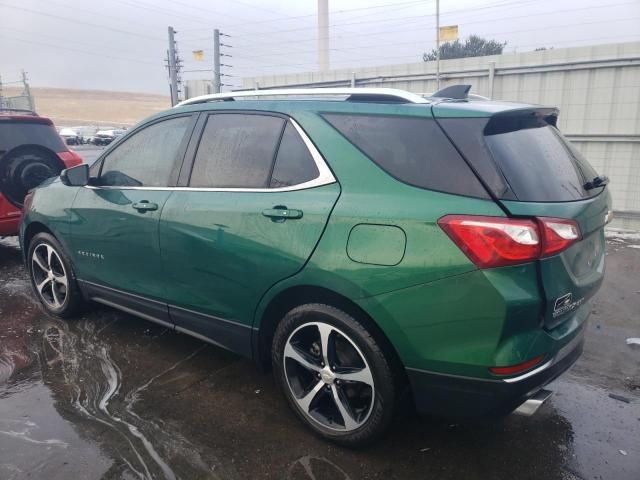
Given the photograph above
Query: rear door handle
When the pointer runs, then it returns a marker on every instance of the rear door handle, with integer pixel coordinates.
(282, 213)
(145, 206)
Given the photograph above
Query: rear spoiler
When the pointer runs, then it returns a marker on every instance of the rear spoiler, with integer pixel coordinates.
(518, 119)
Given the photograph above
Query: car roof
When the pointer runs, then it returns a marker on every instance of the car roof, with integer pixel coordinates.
(23, 116)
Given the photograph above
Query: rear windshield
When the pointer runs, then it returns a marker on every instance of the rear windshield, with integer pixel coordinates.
(14, 134)
(539, 164)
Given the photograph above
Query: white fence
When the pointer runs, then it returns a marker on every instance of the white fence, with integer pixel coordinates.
(597, 89)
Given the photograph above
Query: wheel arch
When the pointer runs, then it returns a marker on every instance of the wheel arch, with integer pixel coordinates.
(30, 231)
(298, 295)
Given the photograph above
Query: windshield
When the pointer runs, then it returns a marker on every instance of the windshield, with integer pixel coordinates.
(539, 164)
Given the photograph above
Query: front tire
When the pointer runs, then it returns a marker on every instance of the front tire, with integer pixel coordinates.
(334, 374)
(52, 277)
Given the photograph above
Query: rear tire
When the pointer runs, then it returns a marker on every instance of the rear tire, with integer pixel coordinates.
(52, 277)
(334, 374)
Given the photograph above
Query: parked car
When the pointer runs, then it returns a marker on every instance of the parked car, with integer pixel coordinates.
(103, 137)
(85, 133)
(70, 137)
(363, 246)
(30, 151)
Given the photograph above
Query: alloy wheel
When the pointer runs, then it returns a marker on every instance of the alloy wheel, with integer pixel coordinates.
(49, 276)
(328, 376)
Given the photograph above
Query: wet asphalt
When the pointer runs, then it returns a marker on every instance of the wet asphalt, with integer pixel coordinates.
(111, 396)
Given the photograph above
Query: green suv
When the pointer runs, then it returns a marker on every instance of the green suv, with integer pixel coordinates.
(365, 244)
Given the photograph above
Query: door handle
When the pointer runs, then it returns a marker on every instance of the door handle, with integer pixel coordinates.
(280, 213)
(145, 206)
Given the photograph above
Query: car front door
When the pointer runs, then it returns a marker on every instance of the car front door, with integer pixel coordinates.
(115, 233)
(255, 206)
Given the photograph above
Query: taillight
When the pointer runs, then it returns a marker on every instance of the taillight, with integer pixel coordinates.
(559, 234)
(70, 158)
(499, 241)
(26, 204)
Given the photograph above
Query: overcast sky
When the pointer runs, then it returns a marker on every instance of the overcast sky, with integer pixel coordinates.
(121, 44)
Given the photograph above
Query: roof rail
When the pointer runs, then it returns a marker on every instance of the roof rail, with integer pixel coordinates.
(373, 95)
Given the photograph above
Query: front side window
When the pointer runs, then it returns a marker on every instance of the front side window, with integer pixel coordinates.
(147, 158)
(236, 151)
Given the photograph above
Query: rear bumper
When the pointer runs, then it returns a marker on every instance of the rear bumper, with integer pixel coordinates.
(457, 396)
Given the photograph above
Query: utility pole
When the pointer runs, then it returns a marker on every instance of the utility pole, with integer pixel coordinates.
(323, 35)
(173, 67)
(437, 45)
(27, 92)
(217, 83)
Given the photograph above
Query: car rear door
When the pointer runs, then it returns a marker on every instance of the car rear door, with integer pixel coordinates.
(251, 211)
(114, 237)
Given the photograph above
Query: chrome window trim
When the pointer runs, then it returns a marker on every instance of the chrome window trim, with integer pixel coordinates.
(325, 176)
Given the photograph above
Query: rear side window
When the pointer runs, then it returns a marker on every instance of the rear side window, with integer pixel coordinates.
(236, 150)
(147, 158)
(537, 161)
(294, 164)
(413, 150)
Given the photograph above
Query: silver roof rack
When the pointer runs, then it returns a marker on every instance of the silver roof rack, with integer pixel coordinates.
(352, 94)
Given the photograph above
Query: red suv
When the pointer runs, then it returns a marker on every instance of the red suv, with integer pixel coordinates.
(30, 151)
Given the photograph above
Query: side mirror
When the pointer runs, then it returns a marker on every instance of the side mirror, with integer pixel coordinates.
(77, 176)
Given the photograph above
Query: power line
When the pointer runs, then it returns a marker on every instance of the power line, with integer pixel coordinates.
(395, 44)
(405, 29)
(77, 50)
(397, 57)
(297, 17)
(75, 21)
(410, 19)
(37, 35)
(93, 12)
(165, 11)
(479, 21)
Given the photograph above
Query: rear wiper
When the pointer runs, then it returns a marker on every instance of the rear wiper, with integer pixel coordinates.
(597, 182)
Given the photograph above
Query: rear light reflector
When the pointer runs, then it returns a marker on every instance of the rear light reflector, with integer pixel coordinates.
(519, 368)
(499, 241)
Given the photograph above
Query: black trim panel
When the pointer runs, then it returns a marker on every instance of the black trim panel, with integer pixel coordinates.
(134, 304)
(456, 396)
(231, 335)
(227, 334)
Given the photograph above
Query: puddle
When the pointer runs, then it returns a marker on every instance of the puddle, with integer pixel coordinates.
(110, 396)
